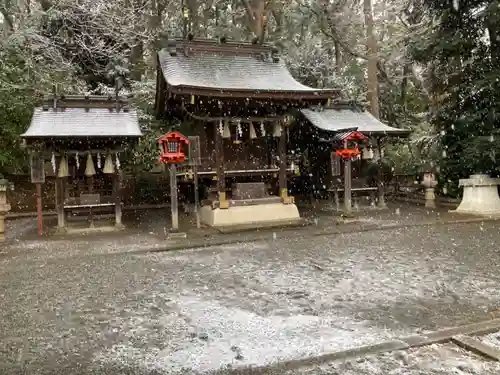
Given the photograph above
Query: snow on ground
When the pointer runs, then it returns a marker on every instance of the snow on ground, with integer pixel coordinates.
(493, 339)
(442, 359)
(210, 336)
(64, 248)
(253, 304)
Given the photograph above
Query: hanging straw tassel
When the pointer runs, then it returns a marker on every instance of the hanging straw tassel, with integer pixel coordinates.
(239, 133)
(367, 153)
(277, 130)
(98, 160)
(226, 133)
(117, 161)
(63, 167)
(109, 168)
(53, 162)
(253, 134)
(237, 139)
(89, 168)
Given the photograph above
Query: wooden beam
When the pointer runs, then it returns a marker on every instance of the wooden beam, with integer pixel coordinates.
(477, 347)
(347, 183)
(380, 177)
(234, 119)
(61, 224)
(283, 165)
(219, 166)
(117, 192)
(84, 152)
(39, 212)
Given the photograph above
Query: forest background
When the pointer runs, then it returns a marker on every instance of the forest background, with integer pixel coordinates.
(431, 66)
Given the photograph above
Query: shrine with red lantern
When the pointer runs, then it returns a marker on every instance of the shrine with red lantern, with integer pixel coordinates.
(263, 137)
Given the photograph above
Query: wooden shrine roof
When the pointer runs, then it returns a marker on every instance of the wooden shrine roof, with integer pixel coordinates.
(79, 116)
(346, 117)
(232, 70)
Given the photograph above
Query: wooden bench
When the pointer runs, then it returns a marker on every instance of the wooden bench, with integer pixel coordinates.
(90, 202)
(358, 187)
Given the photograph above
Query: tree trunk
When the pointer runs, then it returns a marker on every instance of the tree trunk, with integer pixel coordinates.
(9, 23)
(194, 22)
(492, 21)
(45, 4)
(154, 26)
(338, 58)
(371, 46)
(257, 15)
(137, 50)
(279, 18)
(136, 61)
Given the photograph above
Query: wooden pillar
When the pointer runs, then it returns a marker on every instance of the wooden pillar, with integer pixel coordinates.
(347, 183)
(174, 204)
(61, 220)
(219, 165)
(90, 182)
(39, 212)
(118, 199)
(283, 164)
(380, 178)
(196, 194)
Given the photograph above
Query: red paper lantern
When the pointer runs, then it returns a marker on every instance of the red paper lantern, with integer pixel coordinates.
(348, 153)
(172, 144)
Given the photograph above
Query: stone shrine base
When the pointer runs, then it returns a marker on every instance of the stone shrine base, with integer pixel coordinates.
(261, 214)
(480, 196)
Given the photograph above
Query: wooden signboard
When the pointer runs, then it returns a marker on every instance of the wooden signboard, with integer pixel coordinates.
(37, 165)
(194, 150)
(335, 164)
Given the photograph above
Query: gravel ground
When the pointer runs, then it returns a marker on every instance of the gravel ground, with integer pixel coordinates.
(442, 359)
(248, 304)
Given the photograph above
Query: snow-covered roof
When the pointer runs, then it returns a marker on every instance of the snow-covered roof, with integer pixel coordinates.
(350, 118)
(231, 68)
(83, 117)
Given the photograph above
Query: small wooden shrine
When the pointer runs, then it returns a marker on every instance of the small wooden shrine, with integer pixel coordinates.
(240, 100)
(84, 138)
(344, 144)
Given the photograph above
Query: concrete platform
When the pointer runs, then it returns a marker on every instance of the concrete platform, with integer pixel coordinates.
(99, 228)
(259, 214)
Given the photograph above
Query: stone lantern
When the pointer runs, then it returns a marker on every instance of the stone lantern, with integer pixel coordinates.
(429, 183)
(4, 206)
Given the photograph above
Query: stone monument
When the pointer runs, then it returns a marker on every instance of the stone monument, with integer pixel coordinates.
(4, 206)
(480, 195)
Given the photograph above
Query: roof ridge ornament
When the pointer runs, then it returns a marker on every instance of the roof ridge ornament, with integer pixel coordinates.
(172, 47)
(275, 54)
(87, 103)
